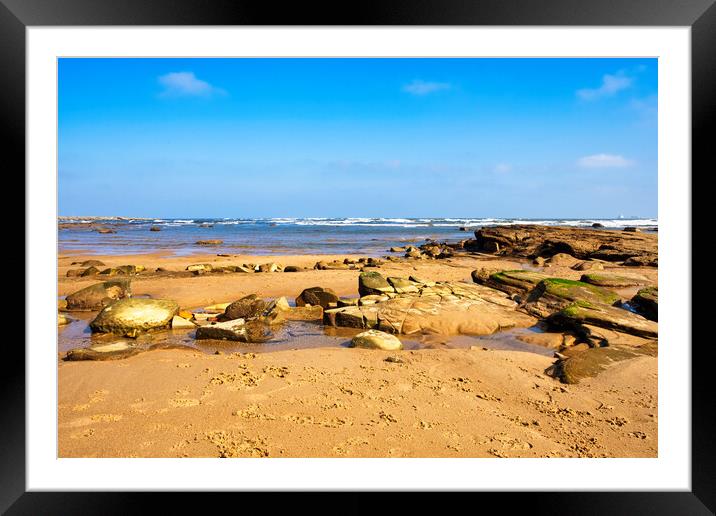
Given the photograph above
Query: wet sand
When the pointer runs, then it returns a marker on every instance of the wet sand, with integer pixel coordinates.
(338, 402)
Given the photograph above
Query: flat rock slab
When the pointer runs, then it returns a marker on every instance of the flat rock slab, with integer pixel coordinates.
(582, 243)
(574, 316)
(116, 351)
(131, 317)
(607, 279)
(553, 294)
(237, 330)
(446, 308)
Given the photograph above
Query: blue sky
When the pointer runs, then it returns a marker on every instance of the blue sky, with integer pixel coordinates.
(534, 138)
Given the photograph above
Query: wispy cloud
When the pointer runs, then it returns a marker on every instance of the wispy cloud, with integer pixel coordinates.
(419, 87)
(186, 84)
(604, 161)
(611, 85)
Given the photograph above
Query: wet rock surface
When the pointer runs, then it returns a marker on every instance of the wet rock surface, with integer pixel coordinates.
(130, 317)
(96, 297)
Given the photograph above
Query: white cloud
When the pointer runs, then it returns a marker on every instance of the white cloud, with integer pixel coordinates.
(604, 161)
(611, 85)
(418, 87)
(185, 84)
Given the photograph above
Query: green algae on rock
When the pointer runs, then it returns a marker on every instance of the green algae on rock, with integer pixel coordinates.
(579, 313)
(130, 317)
(646, 302)
(606, 279)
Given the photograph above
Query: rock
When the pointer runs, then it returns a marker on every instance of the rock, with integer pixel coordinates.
(301, 313)
(553, 294)
(270, 267)
(347, 301)
(539, 261)
(180, 323)
(547, 339)
(576, 315)
(122, 270)
(414, 254)
(641, 261)
(402, 285)
(512, 282)
(599, 337)
(373, 283)
(646, 302)
(317, 296)
(74, 273)
(209, 242)
(186, 314)
(236, 330)
(397, 249)
(104, 231)
(632, 229)
(375, 339)
(96, 297)
(62, 320)
(155, 228)
(589, 265)
(246, 308)
(206, 225)
(216, 308)
(115, 351)
(562, 259)
(582, 243)
(604, 279)
(597, 225)
(292, 268)
(200, 267)
(372, 299)
(92, 263)
(62, 304)
(90, 271)
(444, 309)
(130, 317)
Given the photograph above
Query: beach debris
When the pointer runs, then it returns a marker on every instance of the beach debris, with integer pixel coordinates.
(237, 330)
(130, 317)
(376, 339)
(395, 359)
(97, 296)
(317, 296)
(245, 308)
(180, 323)
(646, 302)
(114, 351)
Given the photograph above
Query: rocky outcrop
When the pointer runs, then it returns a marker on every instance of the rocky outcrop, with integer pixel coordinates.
(512, 282)
(583, 243)
(131, 317)
(578, 314)
(96, 297)
(445, 308)
(552, 294)
(608, 279)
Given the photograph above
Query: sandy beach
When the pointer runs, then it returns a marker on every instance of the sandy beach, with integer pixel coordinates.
(332, 401)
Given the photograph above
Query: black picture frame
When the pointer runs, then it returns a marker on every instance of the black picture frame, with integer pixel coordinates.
(700, 15)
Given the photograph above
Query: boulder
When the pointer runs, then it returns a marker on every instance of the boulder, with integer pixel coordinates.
(180, 323)
(131, 317)
(589, 363)
(576, 315)
(236, 330)
(553, 294)
(402, 285)
(96, 297)
(608, 279)
(115, 351)
(90, 271)
(270, 267)
(74, 273)
(155, 228)
(292, 268)
(317, 296)
(246, 308)
(512, 282)
(375, 339)
(562, 259)
(397, 249)
(646, 302)
(373, 283)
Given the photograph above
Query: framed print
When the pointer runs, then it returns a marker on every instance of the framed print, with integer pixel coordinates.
(417, 249)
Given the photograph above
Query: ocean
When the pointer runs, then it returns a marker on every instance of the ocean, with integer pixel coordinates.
(276, 236)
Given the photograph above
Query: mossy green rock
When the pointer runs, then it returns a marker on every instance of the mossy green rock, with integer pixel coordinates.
(512, 282)
(646, 302)
(589, 363)
(373, 283)
(604, 279)
(553, 294)
(131, 317)
(97, 296)
(610, 317)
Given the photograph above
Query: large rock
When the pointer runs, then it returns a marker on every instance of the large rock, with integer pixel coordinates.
(646, 302)
(115, 351)
(512, 282)
(246, 308)
(582, 243)
(445, 308)
(591, 362)
(96, 297)
(376, 339)
(317, 296)
(131, 317)
(609, 279)
(553, 294)
(580, 313)
(373, 283)
(237, 330)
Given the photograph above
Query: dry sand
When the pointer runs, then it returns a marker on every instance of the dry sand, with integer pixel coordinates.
(335, 402)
